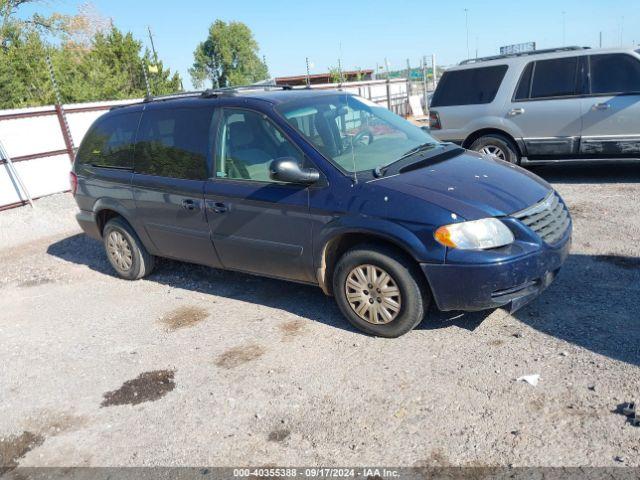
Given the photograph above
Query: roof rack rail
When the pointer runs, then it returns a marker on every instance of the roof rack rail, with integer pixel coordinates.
(213, 92)
(522, 54)
(169, 96)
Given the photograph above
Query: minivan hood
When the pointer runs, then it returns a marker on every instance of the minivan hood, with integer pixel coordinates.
(471, 185)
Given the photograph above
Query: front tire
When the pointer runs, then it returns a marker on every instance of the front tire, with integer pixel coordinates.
(380, 291)
(498, 146)
(125, 251)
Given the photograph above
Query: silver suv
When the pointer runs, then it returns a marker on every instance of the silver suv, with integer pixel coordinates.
(544, 106)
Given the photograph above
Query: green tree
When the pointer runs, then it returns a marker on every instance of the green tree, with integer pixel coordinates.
(229, 56)
(109, 67)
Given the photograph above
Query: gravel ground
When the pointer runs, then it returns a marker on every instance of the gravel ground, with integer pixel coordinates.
(194, 366)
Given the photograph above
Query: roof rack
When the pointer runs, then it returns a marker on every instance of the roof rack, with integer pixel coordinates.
(522, 54)
(214, 92)
(173, 95)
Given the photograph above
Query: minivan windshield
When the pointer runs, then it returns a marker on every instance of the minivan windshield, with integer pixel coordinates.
(355, 133)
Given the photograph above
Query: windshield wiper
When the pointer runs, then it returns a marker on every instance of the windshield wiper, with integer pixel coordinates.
(380, 169)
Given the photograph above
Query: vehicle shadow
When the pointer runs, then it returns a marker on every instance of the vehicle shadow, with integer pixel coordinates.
(593, 304)
(596, 173)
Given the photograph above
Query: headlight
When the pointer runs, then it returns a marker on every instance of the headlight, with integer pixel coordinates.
(475, 235)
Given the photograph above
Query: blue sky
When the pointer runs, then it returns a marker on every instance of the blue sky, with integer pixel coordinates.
(362, 33)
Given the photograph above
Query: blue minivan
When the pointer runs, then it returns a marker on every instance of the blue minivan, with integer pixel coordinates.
(323, 188)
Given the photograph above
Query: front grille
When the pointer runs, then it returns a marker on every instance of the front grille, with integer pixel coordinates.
(549, 218)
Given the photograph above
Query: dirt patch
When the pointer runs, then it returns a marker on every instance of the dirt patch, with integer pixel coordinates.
(14, 447)
(628, 263)
(238, 355)
(51, 423)
(292, 328)
(147, 387)
(184, 317)
(279, 435)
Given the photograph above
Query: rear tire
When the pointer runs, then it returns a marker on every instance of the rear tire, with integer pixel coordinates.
(125, 251)
(388, 291)
(497, 145)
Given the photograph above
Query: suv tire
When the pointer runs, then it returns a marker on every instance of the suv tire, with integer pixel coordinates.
(125, 251)
(390, 286)
(497, 145)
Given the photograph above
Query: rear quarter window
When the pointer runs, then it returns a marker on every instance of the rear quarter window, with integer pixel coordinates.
(174, 142)
(109, 143)
(473, 86)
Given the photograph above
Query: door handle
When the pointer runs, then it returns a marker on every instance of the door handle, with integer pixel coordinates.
(515, 111)
(601, 106)
(189, 204)
(216, 207)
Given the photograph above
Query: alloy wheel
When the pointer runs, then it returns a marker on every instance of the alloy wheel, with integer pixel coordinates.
(494, 151)
(373, 294)
(119, 250)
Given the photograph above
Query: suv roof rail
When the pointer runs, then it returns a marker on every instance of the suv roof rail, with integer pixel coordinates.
(213, 92)
(169, 96)
(522, 54)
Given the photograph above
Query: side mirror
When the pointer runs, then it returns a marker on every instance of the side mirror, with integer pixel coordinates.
(287, 169)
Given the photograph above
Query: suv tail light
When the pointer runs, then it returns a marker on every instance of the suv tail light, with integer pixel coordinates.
(434, 120)
(73, 181)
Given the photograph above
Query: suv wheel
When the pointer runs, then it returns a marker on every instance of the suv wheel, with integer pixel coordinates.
(125, 251)
(498, 146)
(379, 291)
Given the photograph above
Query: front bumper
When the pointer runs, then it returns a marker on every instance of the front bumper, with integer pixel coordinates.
(481, 286)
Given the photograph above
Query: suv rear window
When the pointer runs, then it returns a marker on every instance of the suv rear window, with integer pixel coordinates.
(614, 73)
(554, 78)
(469, 87)
(174, 143)
(110, 142)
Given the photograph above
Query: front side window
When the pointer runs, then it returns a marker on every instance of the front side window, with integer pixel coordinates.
(110, 142)
(614, 73)
(554, 78)
(247, 144)
(174, 142)
(474, 86)
(352, 132)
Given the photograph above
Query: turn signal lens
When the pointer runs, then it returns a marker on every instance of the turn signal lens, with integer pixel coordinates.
(475, 235)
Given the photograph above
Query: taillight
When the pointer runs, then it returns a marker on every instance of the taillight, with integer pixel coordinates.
(434, 121)
(73, 181)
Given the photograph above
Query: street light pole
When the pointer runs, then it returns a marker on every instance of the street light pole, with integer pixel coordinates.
(466, 22)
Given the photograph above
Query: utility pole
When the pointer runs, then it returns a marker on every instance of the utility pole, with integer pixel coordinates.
(466, 22)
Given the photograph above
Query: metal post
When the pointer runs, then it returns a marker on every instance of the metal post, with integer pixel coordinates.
(12, 171)
(408, 85)
(62, 118)
(424, 82)
(434, 71)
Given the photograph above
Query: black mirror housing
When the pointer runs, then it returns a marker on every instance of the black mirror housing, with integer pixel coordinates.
(287, 169)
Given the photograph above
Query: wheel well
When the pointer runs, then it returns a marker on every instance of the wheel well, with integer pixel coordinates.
(334, 249)
(103, 216)
(489, 131)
